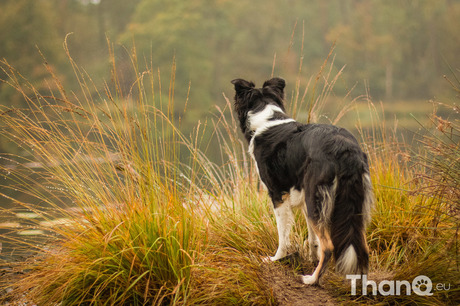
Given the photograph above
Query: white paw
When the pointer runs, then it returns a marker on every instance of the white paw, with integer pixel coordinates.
(309, 280)
(267, 259)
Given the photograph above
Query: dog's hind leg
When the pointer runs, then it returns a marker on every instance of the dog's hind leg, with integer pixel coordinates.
(325, 253)
(312, 239)
(284, 221)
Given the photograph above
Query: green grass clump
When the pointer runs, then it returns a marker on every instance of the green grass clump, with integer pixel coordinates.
(131, 239)
(140, 227)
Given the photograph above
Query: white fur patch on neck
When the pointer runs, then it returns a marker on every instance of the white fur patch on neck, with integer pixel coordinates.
(259, 119)
(260, 122)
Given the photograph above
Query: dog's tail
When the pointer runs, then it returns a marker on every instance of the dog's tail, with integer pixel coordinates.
(350, 217)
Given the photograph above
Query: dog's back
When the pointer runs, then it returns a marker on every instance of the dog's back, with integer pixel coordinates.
(327, 163)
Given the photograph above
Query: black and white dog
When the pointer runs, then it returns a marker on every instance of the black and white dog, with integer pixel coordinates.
(317, 167)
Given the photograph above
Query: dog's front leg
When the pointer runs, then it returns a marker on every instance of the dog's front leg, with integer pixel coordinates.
(284, 221)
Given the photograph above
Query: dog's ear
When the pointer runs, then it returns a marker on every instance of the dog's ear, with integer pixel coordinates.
(276, 83)
(242, 86)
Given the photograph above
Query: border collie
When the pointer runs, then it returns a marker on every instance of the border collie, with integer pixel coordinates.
(319, 168)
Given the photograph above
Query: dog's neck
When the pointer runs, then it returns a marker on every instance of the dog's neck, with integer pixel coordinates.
(270, 116)
(259, 119)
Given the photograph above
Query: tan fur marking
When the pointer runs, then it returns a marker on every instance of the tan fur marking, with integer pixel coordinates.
(285, 197)
(325, 246)
(324, 237)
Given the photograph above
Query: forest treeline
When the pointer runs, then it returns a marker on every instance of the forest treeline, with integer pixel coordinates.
(391, 49)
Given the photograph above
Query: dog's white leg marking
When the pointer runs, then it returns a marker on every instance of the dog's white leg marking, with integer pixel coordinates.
(313, 279)
(313, 241)
(313, 244)
(309, 279)
(284, 221)
(297, 198)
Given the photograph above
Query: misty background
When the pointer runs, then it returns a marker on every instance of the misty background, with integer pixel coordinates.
(394, 52)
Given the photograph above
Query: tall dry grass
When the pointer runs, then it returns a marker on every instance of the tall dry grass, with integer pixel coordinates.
(114, 158)
(141, 223)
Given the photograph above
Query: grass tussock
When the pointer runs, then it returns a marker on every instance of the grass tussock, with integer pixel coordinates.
(131, 238)
(147, 218)
(140, 227)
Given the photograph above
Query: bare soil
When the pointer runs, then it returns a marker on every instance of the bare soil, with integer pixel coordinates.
(284, 280)
(288, 288)
(10, 272)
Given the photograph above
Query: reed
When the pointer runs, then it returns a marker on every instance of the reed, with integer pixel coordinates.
(111, 164)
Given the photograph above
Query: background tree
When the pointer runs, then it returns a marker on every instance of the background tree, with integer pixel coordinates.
(27, 26)
(400, 49)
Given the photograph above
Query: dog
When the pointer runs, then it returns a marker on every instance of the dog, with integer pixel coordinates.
(318, 168)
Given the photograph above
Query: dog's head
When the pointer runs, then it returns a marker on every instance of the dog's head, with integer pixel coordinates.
(248, 98)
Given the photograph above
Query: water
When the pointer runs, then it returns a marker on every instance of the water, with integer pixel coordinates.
(22, 230)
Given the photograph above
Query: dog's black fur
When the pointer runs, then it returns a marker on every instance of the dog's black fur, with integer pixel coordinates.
(322, 163)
